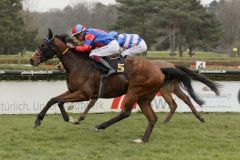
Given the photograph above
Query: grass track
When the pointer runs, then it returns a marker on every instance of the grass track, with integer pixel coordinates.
(184, 138)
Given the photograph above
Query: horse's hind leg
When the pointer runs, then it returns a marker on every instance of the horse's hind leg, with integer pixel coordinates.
(171, 103)
(166, 92)
(147, 110)
(178, 92)
(123, 114)
(126, 112)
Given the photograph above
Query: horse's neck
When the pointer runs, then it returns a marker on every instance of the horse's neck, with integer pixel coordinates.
(71, 62)
(69, 58)
(68, 64)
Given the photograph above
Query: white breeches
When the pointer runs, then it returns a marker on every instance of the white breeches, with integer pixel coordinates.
(110, 49)
(140, 48)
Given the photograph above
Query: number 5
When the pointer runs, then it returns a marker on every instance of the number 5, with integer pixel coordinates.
(120, 67)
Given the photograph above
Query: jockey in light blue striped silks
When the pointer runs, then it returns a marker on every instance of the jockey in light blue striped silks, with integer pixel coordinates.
(132, 43)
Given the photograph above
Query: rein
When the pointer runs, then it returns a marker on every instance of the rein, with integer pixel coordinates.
(65, 51)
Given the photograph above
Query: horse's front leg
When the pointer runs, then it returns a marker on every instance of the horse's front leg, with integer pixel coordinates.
(51, 102)
(74, 97)
(82, 115)
(90, 105)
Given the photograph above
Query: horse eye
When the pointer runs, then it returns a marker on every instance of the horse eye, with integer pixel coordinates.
(44, 44)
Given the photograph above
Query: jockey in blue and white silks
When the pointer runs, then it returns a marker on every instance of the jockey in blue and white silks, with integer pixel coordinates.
(132, 43)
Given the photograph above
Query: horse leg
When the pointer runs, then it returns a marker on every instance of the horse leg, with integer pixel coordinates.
(166, 92)
(90, 105)
(126, 112)
(51, 102)
(147, 110)
(178, 92)
(83, 115)
(73, 97)
(172, 105)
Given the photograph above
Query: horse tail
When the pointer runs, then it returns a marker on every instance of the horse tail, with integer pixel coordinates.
(181, 77)
(212, 85)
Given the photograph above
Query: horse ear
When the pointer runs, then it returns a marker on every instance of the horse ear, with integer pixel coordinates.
(50, 34)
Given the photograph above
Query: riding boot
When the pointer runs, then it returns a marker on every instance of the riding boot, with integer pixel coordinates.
(110, 69)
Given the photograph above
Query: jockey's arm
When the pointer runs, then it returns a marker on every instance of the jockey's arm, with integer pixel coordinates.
(87, 46)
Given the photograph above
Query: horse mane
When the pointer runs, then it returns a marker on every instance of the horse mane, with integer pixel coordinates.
(67, 39)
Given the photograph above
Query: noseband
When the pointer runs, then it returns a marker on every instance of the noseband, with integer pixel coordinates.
(39, 51)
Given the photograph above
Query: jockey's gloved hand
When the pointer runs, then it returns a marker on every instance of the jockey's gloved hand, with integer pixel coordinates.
(70, 45)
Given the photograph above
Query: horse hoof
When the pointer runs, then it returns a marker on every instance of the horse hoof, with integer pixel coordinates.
(81, 118)
(77, 123)
(202, 120)
(165, 122)
(72, 120)
(37, 123)
(95, 129)
(138, 141)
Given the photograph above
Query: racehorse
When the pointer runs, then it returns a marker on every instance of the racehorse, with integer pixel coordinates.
(166, 91)
(141, 81)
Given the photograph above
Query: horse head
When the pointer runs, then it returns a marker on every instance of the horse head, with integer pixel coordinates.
(49, 48)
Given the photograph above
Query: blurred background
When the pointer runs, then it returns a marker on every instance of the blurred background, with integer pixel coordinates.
(203, 35)
(180, 31)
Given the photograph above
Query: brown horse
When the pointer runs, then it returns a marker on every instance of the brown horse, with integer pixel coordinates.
(141, 81)
(174, 87)
(166, 91)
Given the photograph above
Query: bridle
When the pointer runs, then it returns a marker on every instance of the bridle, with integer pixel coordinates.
(45, 47)
(38, 51)
(53, 48)
(49, 43)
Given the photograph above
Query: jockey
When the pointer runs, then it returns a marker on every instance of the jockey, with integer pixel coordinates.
(132, 43)
(99, 42)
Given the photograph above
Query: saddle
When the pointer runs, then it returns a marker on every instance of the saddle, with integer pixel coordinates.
(117, 63)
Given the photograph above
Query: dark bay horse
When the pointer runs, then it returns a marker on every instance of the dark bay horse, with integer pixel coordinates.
(141, 81)
(166, 91)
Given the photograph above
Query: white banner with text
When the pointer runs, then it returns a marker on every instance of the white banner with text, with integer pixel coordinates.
(30, 97)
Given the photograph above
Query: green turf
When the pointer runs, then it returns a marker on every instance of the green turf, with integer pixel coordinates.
(200, 55)
(184, 138)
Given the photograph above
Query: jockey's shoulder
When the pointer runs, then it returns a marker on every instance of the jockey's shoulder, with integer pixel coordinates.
(95, 30)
